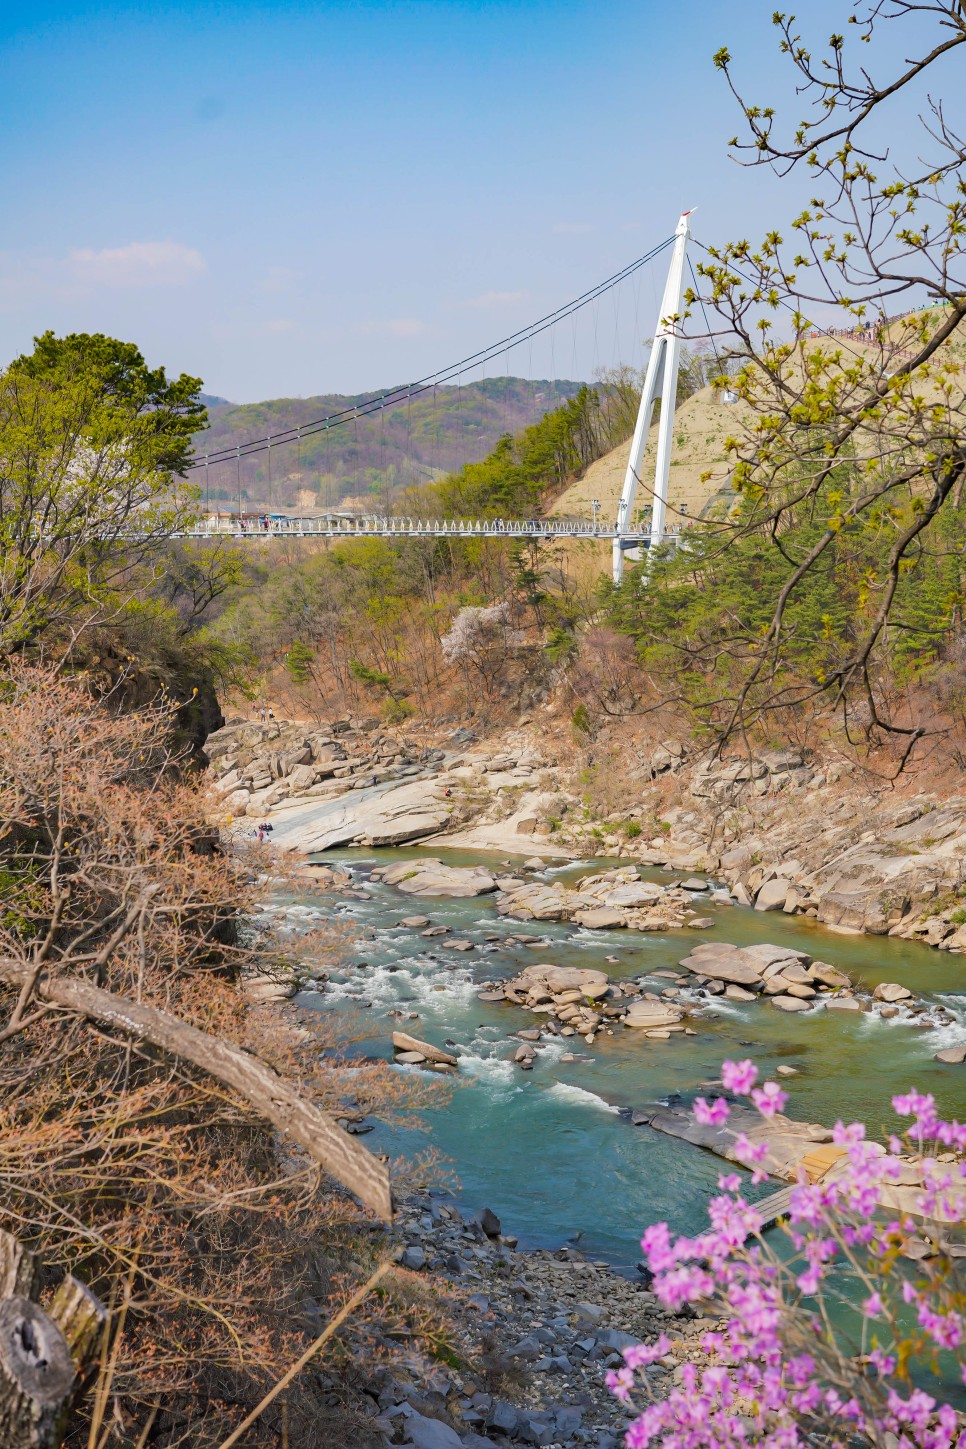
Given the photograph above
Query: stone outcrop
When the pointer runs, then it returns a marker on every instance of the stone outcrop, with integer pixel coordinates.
(793, 1151)
(608, 900)
(580, 1002)
(811, 841)
(273, 762)
(787, 1142)
(786, 830)
(433, 878)
(394, 816)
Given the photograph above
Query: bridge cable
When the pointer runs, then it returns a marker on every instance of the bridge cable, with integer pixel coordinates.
(704, 313)
(411, 390)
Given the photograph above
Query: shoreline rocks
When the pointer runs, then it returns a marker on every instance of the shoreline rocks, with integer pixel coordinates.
(548, 1322)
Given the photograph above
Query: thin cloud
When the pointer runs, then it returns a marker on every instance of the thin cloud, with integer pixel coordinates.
(139, 264)
(278, 325)
(495, 299)
(278, 279)
(565, 228)
(397, 327)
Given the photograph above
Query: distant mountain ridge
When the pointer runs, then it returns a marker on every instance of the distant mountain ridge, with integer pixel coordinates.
(366, 461)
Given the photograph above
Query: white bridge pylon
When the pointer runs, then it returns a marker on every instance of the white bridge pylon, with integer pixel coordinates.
(660, 381)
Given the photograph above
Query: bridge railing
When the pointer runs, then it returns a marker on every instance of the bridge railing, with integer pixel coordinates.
(391, 526)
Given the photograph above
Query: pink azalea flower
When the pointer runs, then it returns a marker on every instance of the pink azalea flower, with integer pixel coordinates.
(710, 1114)
(620, 1382)
(739, 1077)
(792, 1399)
(638, 1355)
(769, 1099)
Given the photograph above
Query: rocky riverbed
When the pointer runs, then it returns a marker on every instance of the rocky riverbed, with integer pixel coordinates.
(536, 1333)
(578, 1145)
(782, 830)
(580, 1002)
(600, 1141)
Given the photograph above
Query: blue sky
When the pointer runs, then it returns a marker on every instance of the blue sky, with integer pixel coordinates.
(291, 198)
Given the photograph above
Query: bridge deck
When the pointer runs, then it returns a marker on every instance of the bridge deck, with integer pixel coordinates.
(268, 526)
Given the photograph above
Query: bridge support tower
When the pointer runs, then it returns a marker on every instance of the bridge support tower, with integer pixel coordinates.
(660, 381)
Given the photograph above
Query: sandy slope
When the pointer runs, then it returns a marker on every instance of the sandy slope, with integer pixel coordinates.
(701, 425)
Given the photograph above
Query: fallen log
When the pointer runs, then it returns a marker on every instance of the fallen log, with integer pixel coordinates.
(272, 1096)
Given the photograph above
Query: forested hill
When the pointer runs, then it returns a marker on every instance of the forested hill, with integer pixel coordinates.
(370, 459)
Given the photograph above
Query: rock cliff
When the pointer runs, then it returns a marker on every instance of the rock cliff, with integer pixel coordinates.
(785, 830)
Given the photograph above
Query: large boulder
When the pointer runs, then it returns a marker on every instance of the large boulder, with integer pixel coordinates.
(601, 918)
(790, 1003)
(721, 962)
(403, 1042)
(652, 1015)
(772, 895)
(828, 975)
(301, 777)
(770, 955)
(236, 803)
(631, 896)
(433, 878)
(538, 902)
(891, 991)
(558, 979)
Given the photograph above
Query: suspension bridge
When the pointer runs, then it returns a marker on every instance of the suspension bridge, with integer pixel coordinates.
(626, 533)
(255, 526)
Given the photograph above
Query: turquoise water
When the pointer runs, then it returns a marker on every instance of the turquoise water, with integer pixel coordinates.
(547, 1149)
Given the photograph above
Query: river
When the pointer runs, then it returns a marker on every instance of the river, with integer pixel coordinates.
(548, 1149)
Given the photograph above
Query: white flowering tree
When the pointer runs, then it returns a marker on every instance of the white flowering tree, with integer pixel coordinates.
(478, 642)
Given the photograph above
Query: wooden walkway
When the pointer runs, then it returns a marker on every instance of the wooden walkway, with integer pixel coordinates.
(774, 1207)
(816, 1164)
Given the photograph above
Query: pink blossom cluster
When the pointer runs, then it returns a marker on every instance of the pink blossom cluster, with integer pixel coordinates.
(780, 1371)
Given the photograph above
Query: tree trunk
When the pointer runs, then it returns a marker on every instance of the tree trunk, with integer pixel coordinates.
(273, 1097)
(43, 1358)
